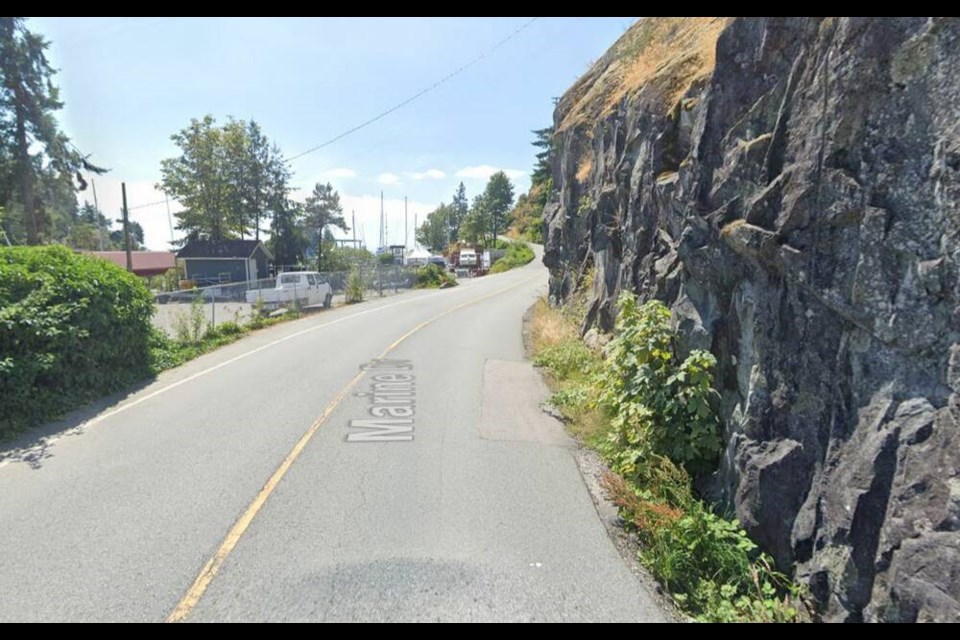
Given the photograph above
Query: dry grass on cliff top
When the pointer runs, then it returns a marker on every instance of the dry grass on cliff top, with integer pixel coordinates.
(666, 54)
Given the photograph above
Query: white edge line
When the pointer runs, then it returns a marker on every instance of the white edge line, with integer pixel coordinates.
(109, 414)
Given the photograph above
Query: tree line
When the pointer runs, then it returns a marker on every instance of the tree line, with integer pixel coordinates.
(230, 179)
(492, 211)
(234, 183)
(479, 222)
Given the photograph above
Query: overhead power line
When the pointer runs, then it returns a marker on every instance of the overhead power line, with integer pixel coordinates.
(149, 204)
(513, 34)
(419, 94)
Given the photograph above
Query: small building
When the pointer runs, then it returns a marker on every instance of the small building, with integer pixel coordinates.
(397, 250)
(145, 263)
(206, 262)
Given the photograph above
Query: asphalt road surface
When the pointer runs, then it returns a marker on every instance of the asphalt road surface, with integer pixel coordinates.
(278, 480)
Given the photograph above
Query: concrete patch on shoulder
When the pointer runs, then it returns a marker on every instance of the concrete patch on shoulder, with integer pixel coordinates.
(510, 408)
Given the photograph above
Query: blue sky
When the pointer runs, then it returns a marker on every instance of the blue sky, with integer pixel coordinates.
(129, 83)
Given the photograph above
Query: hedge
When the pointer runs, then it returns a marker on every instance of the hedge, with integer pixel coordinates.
(72, 328)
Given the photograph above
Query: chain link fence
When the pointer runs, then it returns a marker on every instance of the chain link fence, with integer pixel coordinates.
(184, 311)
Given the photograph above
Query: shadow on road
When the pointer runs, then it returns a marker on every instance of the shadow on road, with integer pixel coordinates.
(33, 446)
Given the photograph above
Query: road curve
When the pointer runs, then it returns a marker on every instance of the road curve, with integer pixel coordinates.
(260, 483)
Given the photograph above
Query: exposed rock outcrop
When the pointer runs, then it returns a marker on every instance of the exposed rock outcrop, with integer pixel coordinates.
(791, 187)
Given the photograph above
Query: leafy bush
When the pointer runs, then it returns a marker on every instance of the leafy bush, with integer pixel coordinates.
(565, 359)
(355, 287)
(189, 327)
(709, 564)
(640, 407)
(166, 353)
(433, 277)
(258, 312)
(657, 401)
(72, 327)
(518, 254)
(229, 329)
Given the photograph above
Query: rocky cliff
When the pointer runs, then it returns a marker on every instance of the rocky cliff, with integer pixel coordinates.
(791, 187)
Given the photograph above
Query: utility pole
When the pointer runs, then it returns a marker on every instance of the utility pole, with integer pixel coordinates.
(96, 205)
(126, 227)
(353, 225)
(406, 225)
(169, 217)
(381, 243)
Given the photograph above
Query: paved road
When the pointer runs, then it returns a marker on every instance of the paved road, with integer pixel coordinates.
(250, 484)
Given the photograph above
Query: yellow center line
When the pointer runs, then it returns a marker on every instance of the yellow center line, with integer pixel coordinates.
(210, 570)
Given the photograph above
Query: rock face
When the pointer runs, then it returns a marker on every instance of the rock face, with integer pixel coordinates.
(791, 187)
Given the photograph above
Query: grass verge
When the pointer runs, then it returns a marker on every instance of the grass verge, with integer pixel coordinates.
(633, 406)
(195, 337)
(518, 254)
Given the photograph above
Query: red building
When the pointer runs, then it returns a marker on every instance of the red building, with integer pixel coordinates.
(145, 263)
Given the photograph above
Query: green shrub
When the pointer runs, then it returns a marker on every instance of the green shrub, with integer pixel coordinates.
(433, 277)
(518, 254)
(651, 417)
(708, 564)
(72, 327)
(656, 401)
(229, 329)
(166, 353)
(190, 327)
(565, 359)
(257, 314)
(355, 286)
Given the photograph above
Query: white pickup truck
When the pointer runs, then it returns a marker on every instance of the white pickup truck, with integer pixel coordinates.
(309, 288)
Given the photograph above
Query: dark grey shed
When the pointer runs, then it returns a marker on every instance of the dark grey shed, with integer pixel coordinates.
(206, 262)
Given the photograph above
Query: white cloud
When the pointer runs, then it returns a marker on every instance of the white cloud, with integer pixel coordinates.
(484, 171)
(388, 178)
(340, 172)
(432, 174)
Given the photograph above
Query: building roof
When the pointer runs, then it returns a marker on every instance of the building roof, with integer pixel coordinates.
(144, 262)
(223, 249)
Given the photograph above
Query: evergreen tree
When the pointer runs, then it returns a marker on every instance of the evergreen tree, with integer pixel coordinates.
(322, 210)
(136, 238)
(460, 209)
(542, 168)
(287, 238)
(498, 198)
(477, 222)
(268, 177)
(36, 159)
